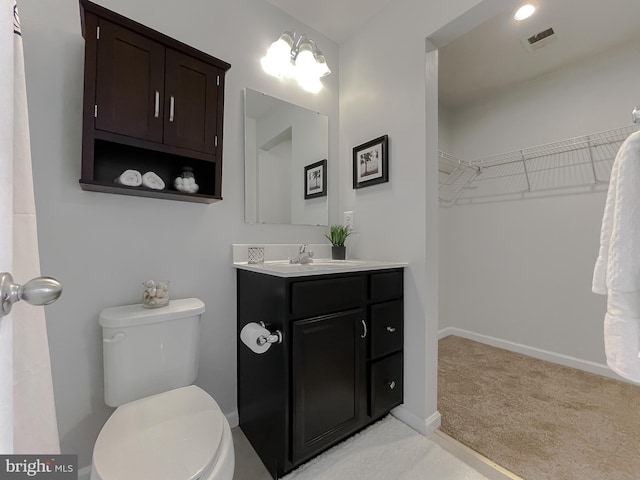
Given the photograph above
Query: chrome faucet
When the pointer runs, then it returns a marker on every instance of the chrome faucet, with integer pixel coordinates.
(304, 256)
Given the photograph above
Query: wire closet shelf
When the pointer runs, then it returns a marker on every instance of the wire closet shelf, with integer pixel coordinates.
(584, 161)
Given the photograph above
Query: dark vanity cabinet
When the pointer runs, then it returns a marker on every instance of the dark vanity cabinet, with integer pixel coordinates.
(151, 103)
(338, 369)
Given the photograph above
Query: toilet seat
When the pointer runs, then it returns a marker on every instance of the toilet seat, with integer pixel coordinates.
(176, 435)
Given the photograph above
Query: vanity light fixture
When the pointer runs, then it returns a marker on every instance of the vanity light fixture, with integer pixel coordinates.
(296, 56)
(524, 12)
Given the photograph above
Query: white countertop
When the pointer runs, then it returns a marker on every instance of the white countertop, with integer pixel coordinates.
(320, 266)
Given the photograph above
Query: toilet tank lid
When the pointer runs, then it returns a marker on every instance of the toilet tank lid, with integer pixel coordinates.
(133, 315)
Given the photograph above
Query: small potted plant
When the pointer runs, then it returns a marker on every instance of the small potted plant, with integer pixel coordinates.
(337, 236)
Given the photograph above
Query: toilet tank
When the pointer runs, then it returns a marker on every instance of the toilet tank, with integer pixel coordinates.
(148, 351)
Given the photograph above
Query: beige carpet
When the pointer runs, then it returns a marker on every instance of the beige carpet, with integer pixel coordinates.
(540, 420)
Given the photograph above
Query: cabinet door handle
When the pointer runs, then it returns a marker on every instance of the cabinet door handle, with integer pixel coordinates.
(391, 329)
(391, 384)
(156, 107)
(364, 327)
(172, 107)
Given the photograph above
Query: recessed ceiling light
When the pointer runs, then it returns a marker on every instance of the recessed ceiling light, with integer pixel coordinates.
(524, 12)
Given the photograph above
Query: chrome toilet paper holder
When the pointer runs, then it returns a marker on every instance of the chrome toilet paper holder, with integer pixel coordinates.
(274, 337)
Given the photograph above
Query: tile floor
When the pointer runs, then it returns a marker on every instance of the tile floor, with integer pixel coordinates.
(249, 466)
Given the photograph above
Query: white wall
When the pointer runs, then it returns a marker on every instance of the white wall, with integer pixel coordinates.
(382, 91)
(521, 270)
(589, 96)
(103, 246)
(445, 142)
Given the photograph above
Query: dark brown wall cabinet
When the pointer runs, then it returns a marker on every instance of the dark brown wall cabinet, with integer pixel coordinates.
(338, 369)
(151, 103)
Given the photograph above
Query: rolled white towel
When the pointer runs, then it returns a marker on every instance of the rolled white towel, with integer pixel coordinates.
(130, 178)
(151, 180)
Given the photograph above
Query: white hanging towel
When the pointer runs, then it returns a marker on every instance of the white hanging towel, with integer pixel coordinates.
(617, 269)
(26, 389)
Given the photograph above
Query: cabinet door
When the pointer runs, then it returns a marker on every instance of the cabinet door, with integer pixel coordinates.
(129, 83)
(328, 381)
(191, 102)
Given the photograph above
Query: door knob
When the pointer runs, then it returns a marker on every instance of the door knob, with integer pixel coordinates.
(38, 291)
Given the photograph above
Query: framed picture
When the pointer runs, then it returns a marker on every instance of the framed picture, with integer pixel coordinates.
(371, 162)
(315, 180)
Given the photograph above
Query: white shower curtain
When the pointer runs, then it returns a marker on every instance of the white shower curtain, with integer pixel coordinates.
(28, 420)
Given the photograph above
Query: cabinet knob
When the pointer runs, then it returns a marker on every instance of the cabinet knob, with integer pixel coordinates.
(390, 329)
(391, 384)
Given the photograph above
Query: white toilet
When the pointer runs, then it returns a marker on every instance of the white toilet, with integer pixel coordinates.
(164, 428)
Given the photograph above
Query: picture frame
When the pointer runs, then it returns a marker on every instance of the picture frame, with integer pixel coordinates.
(315, 180)
(371, 162)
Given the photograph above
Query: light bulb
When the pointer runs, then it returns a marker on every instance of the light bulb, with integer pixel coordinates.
(524, 12)
(302, 62)
(305, 61)
(321, 65)
(277, 61)
(309, 82)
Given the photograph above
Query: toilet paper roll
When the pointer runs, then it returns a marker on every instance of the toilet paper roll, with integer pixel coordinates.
(250, 334)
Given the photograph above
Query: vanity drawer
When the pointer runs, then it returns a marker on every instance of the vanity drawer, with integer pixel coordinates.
(386, 384)
(386, 328)
(318, 297)
(386, 285)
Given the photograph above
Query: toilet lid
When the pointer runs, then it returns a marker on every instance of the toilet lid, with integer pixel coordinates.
(170, 436)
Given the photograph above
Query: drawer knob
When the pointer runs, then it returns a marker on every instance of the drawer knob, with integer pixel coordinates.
(391, 329)
(391, 384)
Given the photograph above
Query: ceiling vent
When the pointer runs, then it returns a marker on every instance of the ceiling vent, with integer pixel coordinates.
(539, 40)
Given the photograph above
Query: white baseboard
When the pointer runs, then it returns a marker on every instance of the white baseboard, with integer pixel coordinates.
(421, 425)
(233, 418)
(566, 360)
(84, 473)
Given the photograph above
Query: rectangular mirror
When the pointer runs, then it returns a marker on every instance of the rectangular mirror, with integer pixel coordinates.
(283, 144)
